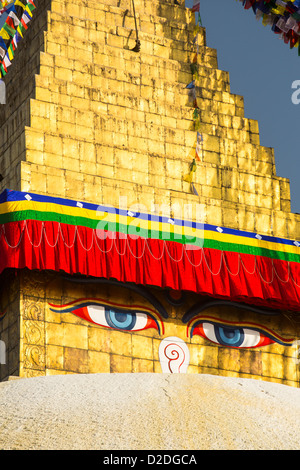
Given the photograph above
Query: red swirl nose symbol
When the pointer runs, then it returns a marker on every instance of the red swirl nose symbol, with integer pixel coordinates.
(174, 355)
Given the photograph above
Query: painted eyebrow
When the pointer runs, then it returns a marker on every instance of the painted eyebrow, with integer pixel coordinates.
(199, 307)
(135, 288)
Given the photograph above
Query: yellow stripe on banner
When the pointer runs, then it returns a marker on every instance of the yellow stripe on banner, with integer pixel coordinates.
(165, 227)
(104, 217)
(255, 242)
(14, 206)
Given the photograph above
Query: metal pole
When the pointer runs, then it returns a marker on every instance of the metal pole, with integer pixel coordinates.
(137, 46)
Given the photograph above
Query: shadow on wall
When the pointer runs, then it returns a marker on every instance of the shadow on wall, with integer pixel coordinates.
(2, 92)
(2, 353)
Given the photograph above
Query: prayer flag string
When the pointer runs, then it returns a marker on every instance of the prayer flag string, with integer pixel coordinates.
(193, 97)
(282, 16)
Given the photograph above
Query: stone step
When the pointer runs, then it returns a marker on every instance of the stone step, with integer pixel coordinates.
(248, 158)
(158, 8)
(124, 37)
(125, 79)
(87, 124)
(116, 16)
(107, 122)
(112, 165)
(118, 37)
(111, 161)
(139, 110)
(146, 64)
(167, 103)
(108, 56)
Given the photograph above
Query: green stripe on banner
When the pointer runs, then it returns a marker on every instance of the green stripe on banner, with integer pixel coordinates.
(47, 216)
(251, 250)
(100, 224)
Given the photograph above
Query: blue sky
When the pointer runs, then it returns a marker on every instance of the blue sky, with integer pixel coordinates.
(262, 69)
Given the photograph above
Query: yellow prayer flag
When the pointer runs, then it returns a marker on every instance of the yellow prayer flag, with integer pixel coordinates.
(28, 11)
(278, 10)
(196, 30)
(10, 53)
(20, 31)
(20, 4)
(189, 177)
(4, 34)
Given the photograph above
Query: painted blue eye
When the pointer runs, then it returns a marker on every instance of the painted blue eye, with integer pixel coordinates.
(234, 335)
(229, 336)
(119, 319)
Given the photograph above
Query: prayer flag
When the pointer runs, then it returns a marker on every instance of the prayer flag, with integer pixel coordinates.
(10, 52)
(25, 20)
(194, 190)
(3, 71)
(20, 4)
(2, 44)
(4, 34)
(14, 17)
(282, 16)
(196, 6)
(191, 85)
(6, 61)
(199, 145)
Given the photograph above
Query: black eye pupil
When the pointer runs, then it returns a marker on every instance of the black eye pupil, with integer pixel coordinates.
(229, 333)
(229, 336)
(119, 319)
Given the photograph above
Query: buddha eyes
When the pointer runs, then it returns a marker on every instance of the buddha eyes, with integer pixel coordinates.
(138, 318)
(120, 319)
(111, 316)
(232, 336)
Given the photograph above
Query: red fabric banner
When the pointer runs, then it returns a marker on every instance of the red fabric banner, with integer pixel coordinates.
(74, 249)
